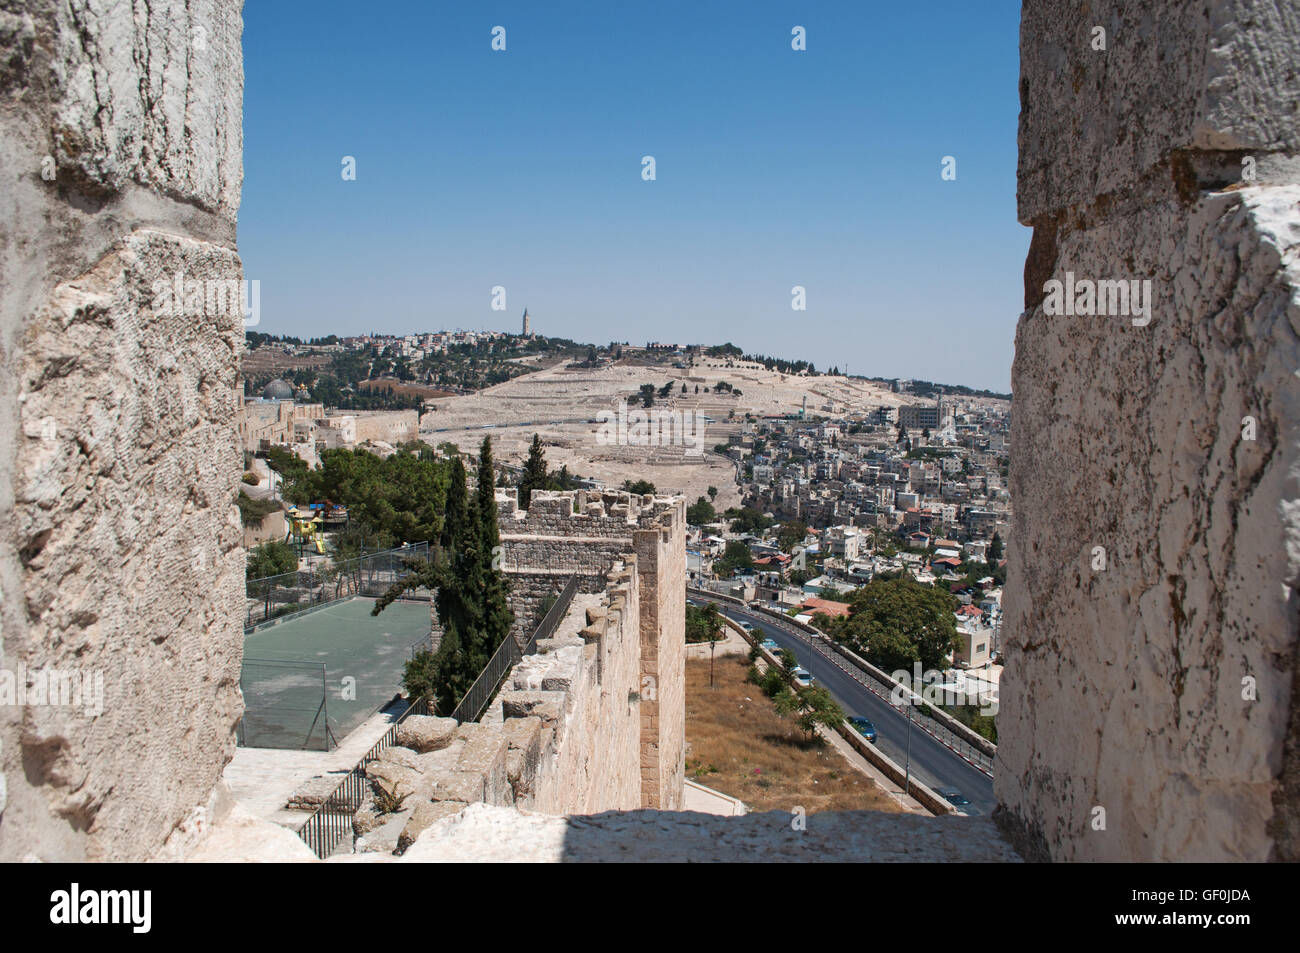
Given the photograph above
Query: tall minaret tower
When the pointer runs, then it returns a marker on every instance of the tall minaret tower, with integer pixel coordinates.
(527, 331)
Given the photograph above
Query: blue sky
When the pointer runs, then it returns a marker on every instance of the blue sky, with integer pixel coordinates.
(522, 169)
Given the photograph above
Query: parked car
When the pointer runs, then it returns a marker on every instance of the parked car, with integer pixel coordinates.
(863, 727)
(770, 645)
(953, 797)
(802, 678)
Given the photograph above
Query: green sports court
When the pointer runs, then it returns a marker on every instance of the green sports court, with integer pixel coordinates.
(311, 678)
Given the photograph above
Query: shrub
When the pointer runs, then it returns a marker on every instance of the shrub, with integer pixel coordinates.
(420, 675)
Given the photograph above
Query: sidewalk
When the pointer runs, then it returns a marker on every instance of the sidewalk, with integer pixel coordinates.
(702, 800)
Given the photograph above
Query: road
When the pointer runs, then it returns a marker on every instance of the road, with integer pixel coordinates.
(931, 762)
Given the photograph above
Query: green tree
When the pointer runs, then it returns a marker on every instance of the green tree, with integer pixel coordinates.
(747, 520)
(534, 477)
(471, 590)
(401, 497)
(270, 559)
(995, 548)
(814, 707)
(497, 617)
(700, 512)
(703, 623)
(735, 556)
(642, 487)
(896, 622)
(420, 676)
(792, 533)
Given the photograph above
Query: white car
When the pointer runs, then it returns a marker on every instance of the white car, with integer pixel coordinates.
(802, 678)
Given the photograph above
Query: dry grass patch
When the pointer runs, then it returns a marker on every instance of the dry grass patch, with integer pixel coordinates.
(744, 748)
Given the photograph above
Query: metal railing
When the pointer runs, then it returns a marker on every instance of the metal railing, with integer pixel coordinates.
(330, 823)
(507, 655)
(553, 617)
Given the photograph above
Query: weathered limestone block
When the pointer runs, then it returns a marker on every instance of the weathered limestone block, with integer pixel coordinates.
(1174, 78)
(424, 814)
(399, 775)
(425, 733)
(368, 815)
(484, 755)
(384, 837)
(524, 754)
(241, 838)
(120, 143)
(480, 833)
(1151, 620)
(150, 94)
(313, 792)
(548, 706)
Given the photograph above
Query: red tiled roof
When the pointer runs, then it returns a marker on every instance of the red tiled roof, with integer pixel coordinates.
(831, 608)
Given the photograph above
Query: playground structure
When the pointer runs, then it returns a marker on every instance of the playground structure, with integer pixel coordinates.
(305, 528)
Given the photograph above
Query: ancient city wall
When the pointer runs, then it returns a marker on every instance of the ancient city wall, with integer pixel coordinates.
(120, 148)
(388, 426)
(661, 565)
(592, 758)
(581, 532)
(565, 533)
(1149, 707)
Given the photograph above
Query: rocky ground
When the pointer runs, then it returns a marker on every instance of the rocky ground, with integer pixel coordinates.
(563, 404)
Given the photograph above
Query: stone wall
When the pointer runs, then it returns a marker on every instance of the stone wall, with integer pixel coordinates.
(580, 532)
(387, 426)
(588, 704)
(531, 591)
(120, 148)
(1149, 707)
(661, 565)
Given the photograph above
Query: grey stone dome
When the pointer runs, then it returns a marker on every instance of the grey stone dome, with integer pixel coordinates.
(278, 390)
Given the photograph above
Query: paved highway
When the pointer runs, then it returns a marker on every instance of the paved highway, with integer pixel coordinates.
(932, 763)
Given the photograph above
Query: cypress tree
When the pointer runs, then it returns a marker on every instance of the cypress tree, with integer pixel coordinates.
(497, 617)
(534, 477)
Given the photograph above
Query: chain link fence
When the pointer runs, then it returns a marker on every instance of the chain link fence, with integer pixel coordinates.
(273, 597)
